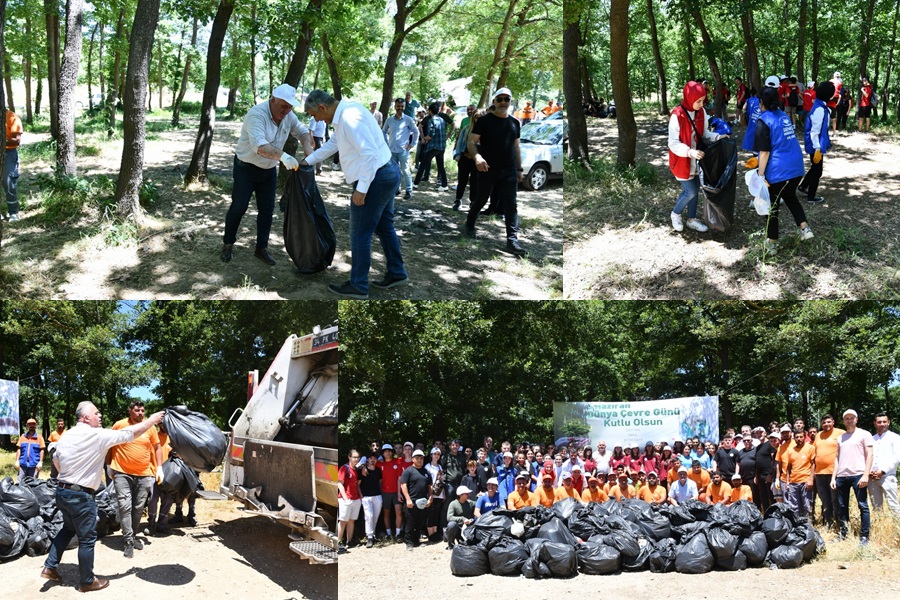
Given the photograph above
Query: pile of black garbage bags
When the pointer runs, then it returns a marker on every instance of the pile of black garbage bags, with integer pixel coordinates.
(601, 539)
(29, 519)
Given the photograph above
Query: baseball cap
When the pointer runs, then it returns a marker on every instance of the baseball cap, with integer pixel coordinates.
(493, 480)
(736, 476)
(682, 469)
(788, 427)
(462, 490)
(387, 447)
(850, 411)
(652, 474)
(576, 467)
(507, 455)
(522, 475)
(410, 444)
(811, 84)
(773, 434)
(286, 92)
(502, 91)
(433, 450)
(648, 444)
(594, 480)
(772, 81)
(418, 453)
(567, 475)
(30, 421)
(837, 74)
(547, 476)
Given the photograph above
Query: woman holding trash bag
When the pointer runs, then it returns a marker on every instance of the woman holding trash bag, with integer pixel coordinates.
(688, 134)
(781, 165)
(816, 142)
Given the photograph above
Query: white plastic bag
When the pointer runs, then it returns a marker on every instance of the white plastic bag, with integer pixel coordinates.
(760, 192)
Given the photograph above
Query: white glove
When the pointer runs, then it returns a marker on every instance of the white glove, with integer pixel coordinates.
(289, 162)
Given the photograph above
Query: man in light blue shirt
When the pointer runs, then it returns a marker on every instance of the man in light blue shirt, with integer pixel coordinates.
(683, 490)
(401, 134)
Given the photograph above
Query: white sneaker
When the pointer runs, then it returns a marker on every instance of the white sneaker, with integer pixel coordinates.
(806, 233)
(697, 225)
(443, 189)
(677, 223)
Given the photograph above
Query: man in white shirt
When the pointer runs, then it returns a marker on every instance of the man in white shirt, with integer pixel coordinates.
(79, 457)
(367, 165)
(602, 458)
(259, 149)
(317, 131)
(883, 477)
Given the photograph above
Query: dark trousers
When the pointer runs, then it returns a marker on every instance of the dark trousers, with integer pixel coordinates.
(414, 524)
(437, 155)
(842, 117)
(79, 511)
(11, 181)
(453, 533)
(504, 185)
(810, 181)
(754, 488)
(766, 498)
(844, 485)
(828, 498)
(250, 179)
(788, 191)
(467, 174)
(420, 156)
(317, 143)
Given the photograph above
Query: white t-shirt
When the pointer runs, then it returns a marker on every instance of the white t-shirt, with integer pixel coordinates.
(887, 452)
(435, 472)
(851, 459)
(82, 452)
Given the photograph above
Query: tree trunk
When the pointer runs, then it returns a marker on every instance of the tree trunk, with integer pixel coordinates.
(40, 88)
(689, 39)
(521, 24)
(864, 42)
(7, 79)
(200, 159)
(332, 68)
(232, 91)
(29, 115)
(175, 87)
(159, 51)
(272, 75)
(100, 62)
(90, 72)
(51, 15)
(578, 136)
(814, 25)
(713, 65)
(2, 129)
(182, 90)
(618, 54)
(300, 56)
(801, 44)
(660, 72)
(498, 54)
(68, 77)
(586, 87)
(885, 91)
(253, 52)
(113, 97)
(128, 186)
(752, 55)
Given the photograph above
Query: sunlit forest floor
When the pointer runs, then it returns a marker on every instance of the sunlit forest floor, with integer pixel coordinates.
(620, 242)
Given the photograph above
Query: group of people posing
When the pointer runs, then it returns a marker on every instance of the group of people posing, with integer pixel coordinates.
(439, 495)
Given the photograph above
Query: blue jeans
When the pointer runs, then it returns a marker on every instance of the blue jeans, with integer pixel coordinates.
(844, 485)
(402, 160)
(79, 519)
(688, 197)
(247, 180)
(375, 216)
(11, 180)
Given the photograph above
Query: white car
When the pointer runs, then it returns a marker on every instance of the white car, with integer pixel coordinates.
(541, 145)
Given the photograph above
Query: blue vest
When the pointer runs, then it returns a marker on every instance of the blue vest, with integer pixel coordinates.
(824, 140)
(786, 159)
(753, 112)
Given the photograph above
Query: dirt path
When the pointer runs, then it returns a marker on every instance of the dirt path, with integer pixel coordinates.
(427, 568)
(620, 243)
(178, 257)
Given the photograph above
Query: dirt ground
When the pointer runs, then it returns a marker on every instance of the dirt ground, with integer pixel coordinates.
(228, 555)
(428, 568)
(620, 243)
(178, 255)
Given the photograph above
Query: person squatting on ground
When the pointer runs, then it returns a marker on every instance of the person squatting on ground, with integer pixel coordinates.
(14, 132)
(688, 134)
(494, 144)
(260, 148)
(134, 466)
(460, 514)
(401, 134)
(851, 473)
(816, 142)
(781, 165)
(30, 451)
(79, 456)
(367, 165)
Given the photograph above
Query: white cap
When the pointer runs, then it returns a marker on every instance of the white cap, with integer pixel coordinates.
(786, 428)
(500, 92)
(772, 81)
(567, 475)
(576, 467)
(850, 411)
(736, 476)
(418, 453)
(811, 84)
(435, 449)
(410, 444)
(837, 74)
(682, 469)
(387, 446)
(507, 455)
(493, 480)
(286, 92)
(773, 434)
(462, 490)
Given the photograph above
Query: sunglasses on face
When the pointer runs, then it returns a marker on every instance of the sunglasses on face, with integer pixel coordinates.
(502, 99)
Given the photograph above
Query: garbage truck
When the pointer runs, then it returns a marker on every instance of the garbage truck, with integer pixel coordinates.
(282, 460)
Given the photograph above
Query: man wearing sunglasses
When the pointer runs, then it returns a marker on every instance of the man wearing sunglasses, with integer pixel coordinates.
(494, 142)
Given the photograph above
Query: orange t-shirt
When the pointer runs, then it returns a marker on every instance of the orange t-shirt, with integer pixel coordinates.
(781, 458)
(619, 493)
(672, 475)
(137, 457)
(741, 492)
(528, 112)
(543, 497)
(718, 493)
(598, 496)
(826, 451)
(655, 494)
(164, 446)
(54, 436)
(800, 462)
(13, 127)
(562, 493)
(515, 501)
(702, 479)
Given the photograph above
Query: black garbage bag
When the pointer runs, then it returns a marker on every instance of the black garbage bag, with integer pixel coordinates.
(656, 527)
(190, 482)
(20, 532)
(491, 524)
(18, 501)
(508, 556)
(469, 561)
(43, 489)
(7, 531)
(640, 562)
(107, 513)
(745, 514)
(624, 542)
(776, 530)
(736, 562)
(699, 510)
(583, 523)
(200, 444)
(37, 541)
(560, 559)
(717, 178)
(803, 537)
(785, 557)
(565, 508)
(173, 477)
(722, 543)
(556, 531)
(533, 567)
(662, 559)
(695, 557)
(688, 530)
(754, 548)
(597, 559)
(678, 515)
(780, 509)
(308, 232)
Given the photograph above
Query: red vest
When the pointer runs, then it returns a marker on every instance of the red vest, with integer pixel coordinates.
(681, 165)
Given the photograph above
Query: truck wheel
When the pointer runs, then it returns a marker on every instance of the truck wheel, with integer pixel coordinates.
(537, 177)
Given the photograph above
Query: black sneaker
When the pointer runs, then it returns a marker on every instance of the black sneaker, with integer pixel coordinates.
(816, 200)
(514, 247)
(449, 546)
(345, 290)
(802, 191)
(390, 281)
(225, 255)
(457, 204)
(263, 255)
(138, 544)
(407, 195)
(129, 551)
(469, 232)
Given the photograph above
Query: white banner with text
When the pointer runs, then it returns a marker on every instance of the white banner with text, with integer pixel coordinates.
(9, 407)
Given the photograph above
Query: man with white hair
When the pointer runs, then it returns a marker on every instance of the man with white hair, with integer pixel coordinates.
(851, 472)
(260, 148)
(79, 457)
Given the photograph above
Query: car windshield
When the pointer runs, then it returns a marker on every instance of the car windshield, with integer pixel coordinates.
(547, 134)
